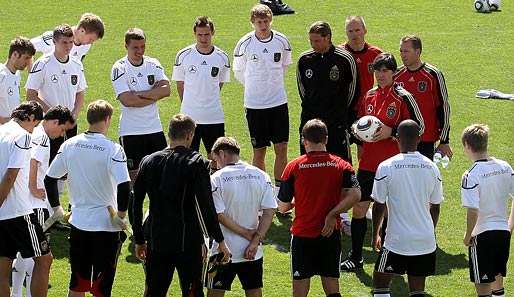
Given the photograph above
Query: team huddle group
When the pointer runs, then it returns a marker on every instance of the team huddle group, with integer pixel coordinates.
(207, 217)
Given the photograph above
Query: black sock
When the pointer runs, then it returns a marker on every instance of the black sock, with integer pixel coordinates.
(334, 295)
(359, 227)
(417, 294)
(488, 295)
(499, 292)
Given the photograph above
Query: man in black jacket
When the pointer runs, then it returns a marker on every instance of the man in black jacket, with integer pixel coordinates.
(328, 85)
(182, 211)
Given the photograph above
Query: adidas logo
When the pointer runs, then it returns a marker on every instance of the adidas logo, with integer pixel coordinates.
(139, 74)
(265, 51)
(358, 60)
(218, 284)
(485, 277)
(389, 268)
(411, 79)
(204, 63)
(296, 273)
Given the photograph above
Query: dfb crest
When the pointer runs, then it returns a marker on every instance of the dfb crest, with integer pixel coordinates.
(214, 71)
(334, 73)
(276, 57)
(151, 79)
(422, 86)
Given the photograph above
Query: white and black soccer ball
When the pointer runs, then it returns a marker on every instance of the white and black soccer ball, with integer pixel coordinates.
(495, 5)
(482, 6)
(366, 126)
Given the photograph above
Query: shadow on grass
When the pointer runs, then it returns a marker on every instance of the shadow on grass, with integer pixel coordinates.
(59, 243)
(131, 248)
(278, 234)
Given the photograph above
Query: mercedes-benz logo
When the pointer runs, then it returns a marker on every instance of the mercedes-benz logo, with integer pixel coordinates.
(53, 78)
(10, 91)
(192, 69)
(133, 81)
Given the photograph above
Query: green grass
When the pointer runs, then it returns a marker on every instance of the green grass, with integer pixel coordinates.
(473, 50)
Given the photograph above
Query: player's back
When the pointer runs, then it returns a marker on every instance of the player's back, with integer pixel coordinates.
(410, 182)
(488, 185)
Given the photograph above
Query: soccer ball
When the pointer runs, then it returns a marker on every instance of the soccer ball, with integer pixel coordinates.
(495, 4)
(482, 6)
(366, 126)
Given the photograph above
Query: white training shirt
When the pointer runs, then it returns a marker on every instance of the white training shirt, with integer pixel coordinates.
(9, 91)
(408, 183)
(95, 166)
(260, 66)
(15, 153)
(40, 152)
(45, 44)
(487, 187)
(57, 83)
(202, 75)
(240, 191)
(127, 77)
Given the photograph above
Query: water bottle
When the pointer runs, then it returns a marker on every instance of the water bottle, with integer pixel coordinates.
(440, 160)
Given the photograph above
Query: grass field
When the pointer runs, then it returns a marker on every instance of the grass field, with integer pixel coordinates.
(473, 50)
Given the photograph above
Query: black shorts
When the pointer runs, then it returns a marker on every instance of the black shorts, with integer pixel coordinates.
(93, 260)
(366, 180)
(23, 234)
(249, 274)
(338, 141)
(427, 149)
(419, 265)
(161, 266)
(139, 146)
(55, 143)
(488, 256)
(208, 133)
(268, 125)
(316, 256)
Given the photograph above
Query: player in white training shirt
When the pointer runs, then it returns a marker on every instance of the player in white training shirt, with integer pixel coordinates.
(240, 192)
(99, 191)
(200, 71)
(411, 187)
(89, 29)
(487, 188)
(56, 79)
(19, 228)
(139, 82)
(20, 56)
(261, 58)
(55, 122)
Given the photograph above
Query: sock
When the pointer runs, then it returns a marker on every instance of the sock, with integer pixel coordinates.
(334, 295)
(28, 276)
(345, 216)
(417, 294)
(499, 292)
(359, 227)
(18, 275)
(488, 295)
(384, 292)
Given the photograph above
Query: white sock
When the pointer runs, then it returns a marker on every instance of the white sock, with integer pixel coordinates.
(381, 295)
(345, 216)
(18, 275)
(28, 279)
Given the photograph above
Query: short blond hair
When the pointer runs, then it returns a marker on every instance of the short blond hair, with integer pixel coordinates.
(260, 11)
(228, 144)
(476, 137)
(353, 18)
(92, 23)
(98, 111)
